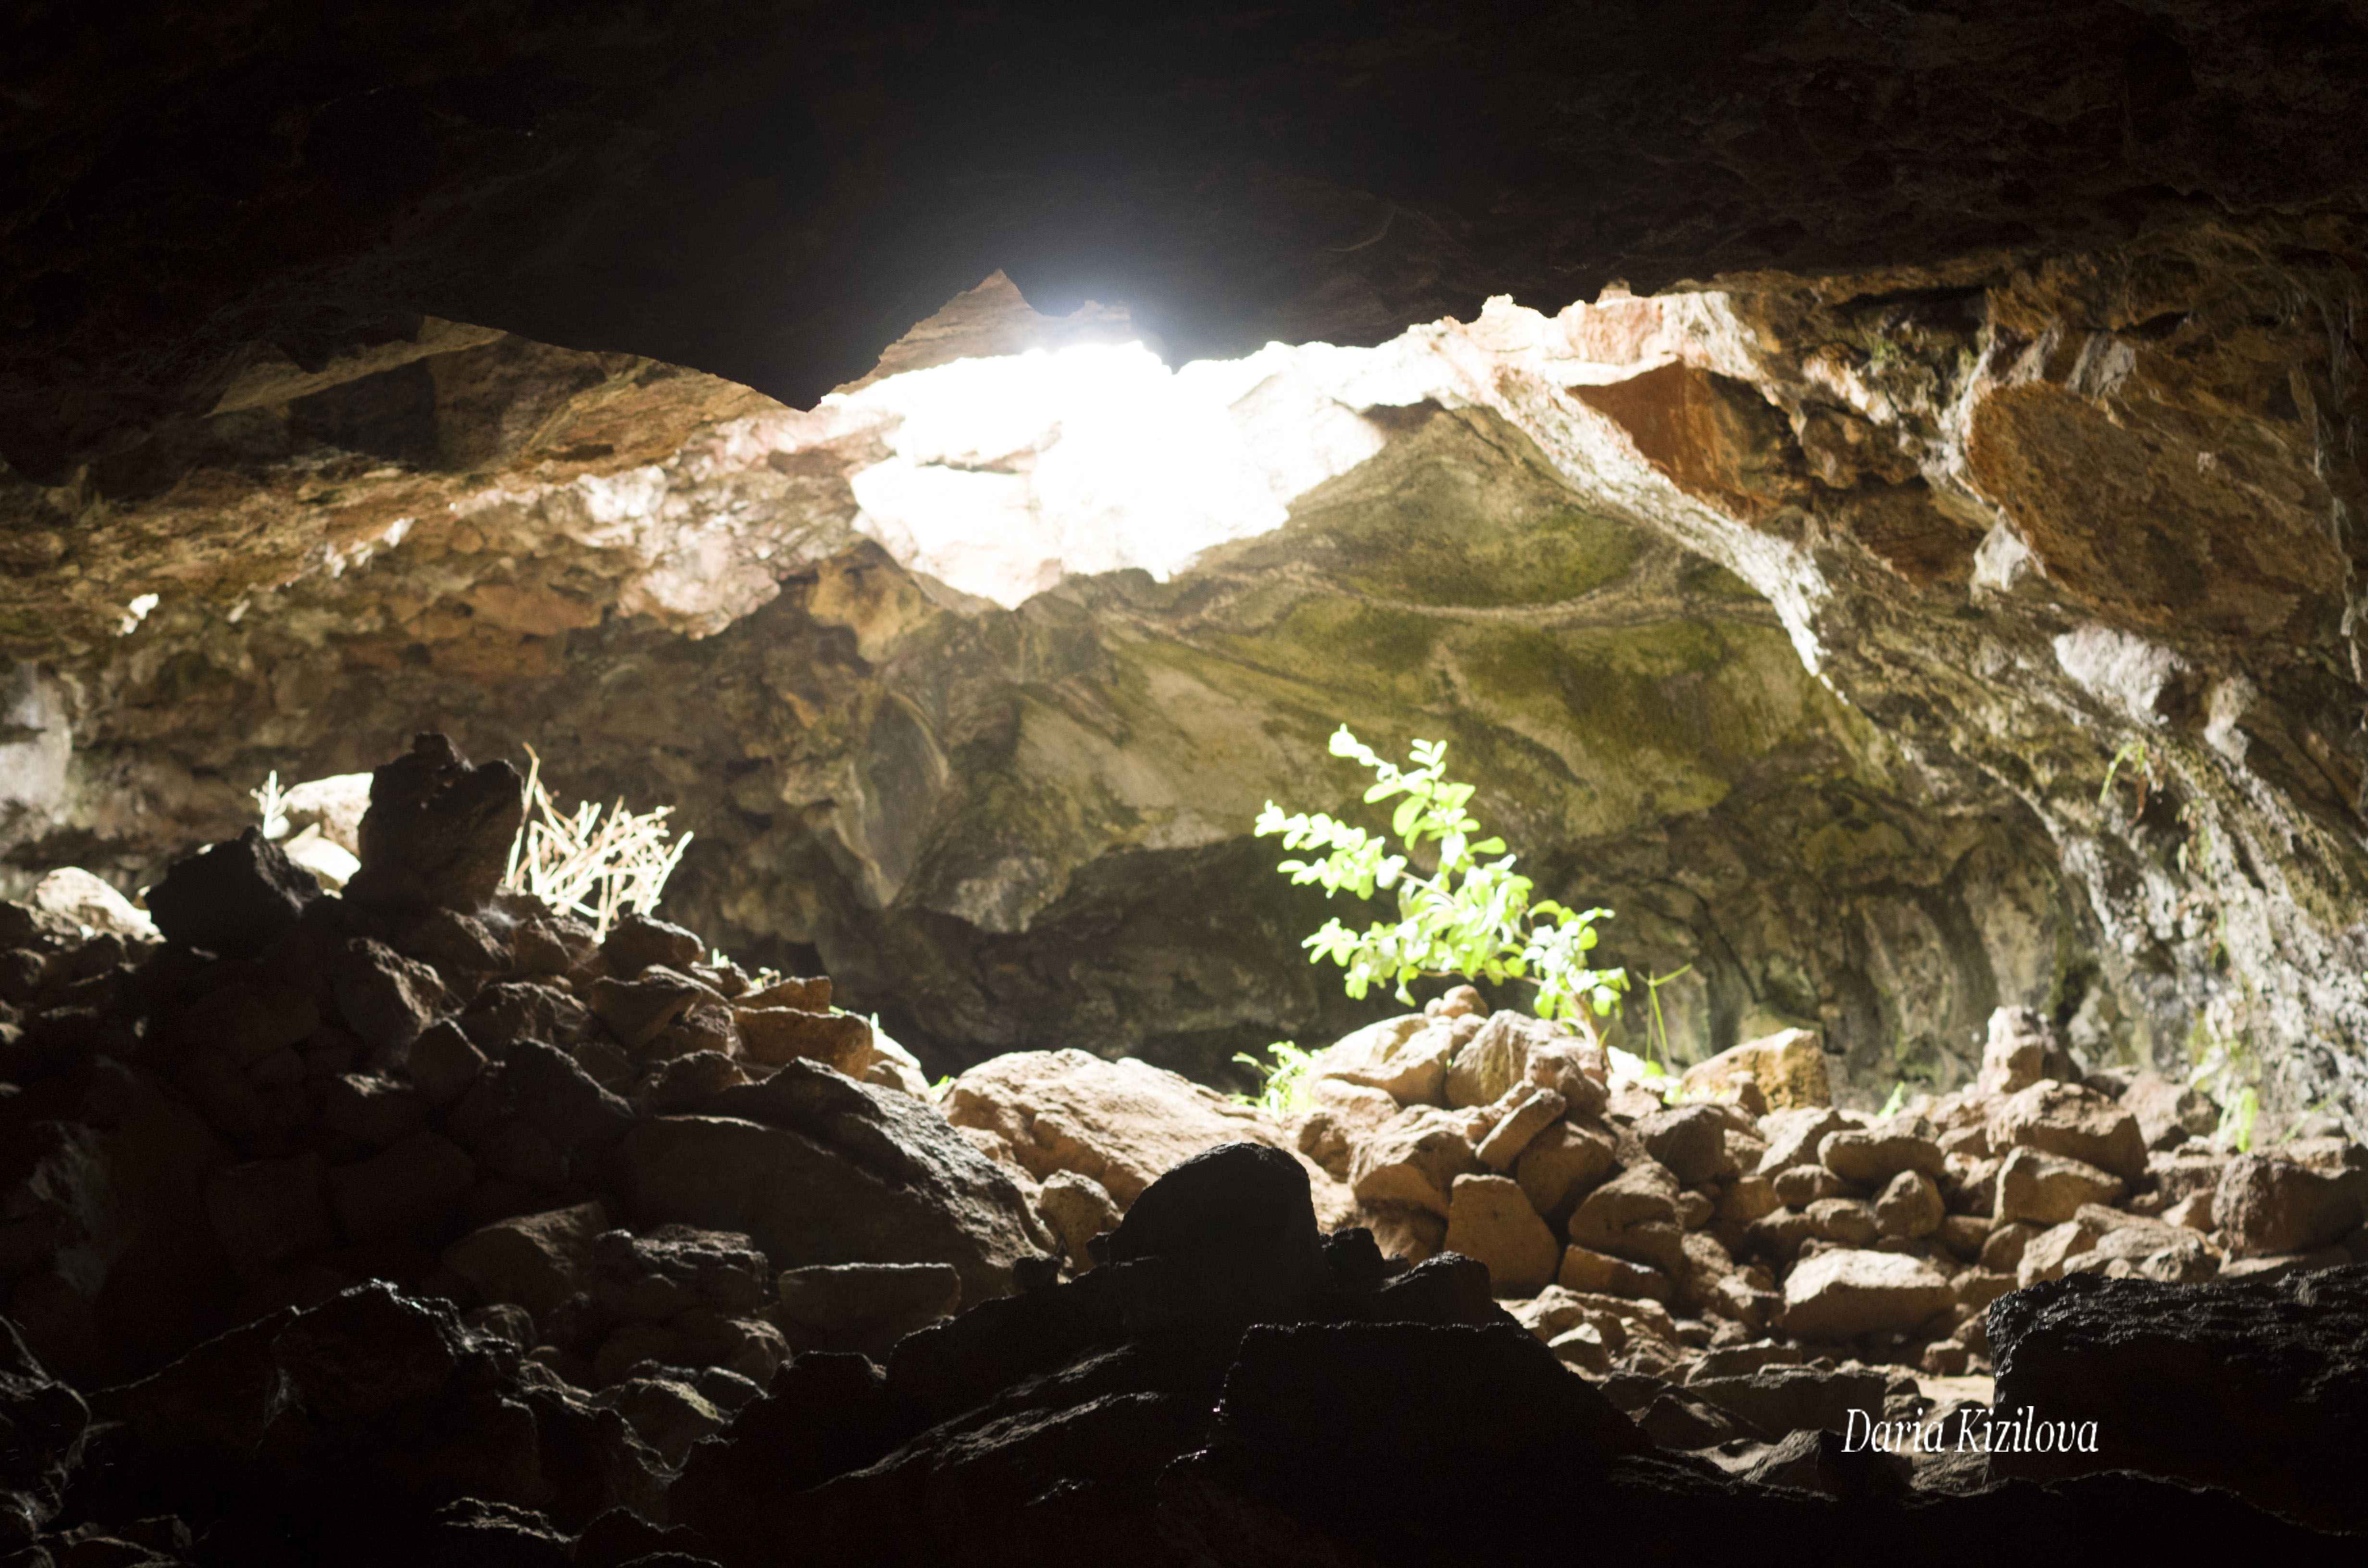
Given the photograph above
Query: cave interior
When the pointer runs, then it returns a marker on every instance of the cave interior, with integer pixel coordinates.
(1868, 492)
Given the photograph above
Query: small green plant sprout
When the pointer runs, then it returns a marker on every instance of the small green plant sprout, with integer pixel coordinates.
(2132, 754)
(1472, 918)
(1898, 1097)
(1285, 1081)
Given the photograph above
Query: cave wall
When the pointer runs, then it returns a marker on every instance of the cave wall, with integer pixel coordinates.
(2005, 354)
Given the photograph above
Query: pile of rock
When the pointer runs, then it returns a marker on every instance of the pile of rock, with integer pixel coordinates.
(645, 1172)
(1754, 1222)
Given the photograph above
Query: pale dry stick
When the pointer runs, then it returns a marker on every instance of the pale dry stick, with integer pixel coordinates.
(594, 866)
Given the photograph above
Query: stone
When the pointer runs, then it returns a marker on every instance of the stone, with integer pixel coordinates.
(1843, 1220)
(674, 1268)
(266, 1211)
(1405, 1232)
(2019, 1053)
(637, 1011)
(1803, 1185)
(372, 1109)
(1413, 1158)
(2168, 1113)
(2047, 1189)
(2173, 1255)
(407, 1191)
(637, 941)
(1561, 1166)
(1846, 1293)
(442, 1064)
(509, 1011)
(818, 1168)
(2076, 1122)
(80, 900)
(1489, 1219)
(865, 1307)
(2277, 1364)
(1238, 1222)
(1533, 1113)
(1749, 1198)
(667, 1414)
(1869, 1157)
(838, 1041)
(1787, 1067)
(2193, 1211)
(1405, 1058)
(437, 832)
(1581, 1347)
(1123, 1123)
(534, 1261)
(1690, 1140)
(808, 995)
(1908, 1208)
(453, 943)
(2044, 1255)
(1577, 1069)
(893, 1067)
(1965, 1235)
(1342, 1115)
(1496, 1056)
(1584, 1270)
(1793, 1136)
(2003, 1250)
(233, 899)
(1077, 1209)
(682, 1081)
(385, 999)
(1634, 1215)
(42, 1423)
(2265, 1205)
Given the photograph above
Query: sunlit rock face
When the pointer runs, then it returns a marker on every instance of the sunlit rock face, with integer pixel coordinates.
(1799, 621)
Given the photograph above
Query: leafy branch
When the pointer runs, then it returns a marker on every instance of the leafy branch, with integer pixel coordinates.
(1471, 917)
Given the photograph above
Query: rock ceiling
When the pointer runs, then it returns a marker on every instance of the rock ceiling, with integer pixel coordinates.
(2009, 425)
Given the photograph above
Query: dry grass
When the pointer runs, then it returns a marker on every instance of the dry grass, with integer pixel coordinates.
(592, 863)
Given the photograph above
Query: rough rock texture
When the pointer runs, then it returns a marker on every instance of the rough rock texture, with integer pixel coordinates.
(2257, 1387)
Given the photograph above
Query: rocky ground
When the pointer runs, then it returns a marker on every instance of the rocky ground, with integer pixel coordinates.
(419, 1222)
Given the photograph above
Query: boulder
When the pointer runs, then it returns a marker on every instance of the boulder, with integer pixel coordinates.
(1589, 1272)
(637, 1011)
(1803, 1184)
(1775, 1400)
(2047, 1189)
(1496, 1056)
(1414, 1158)
(818, 1168)
(1342, 1115)
(1870, 1156)
(1845, 1222)
(1236, 1228)
(2022, 1048)
(2068, 1120)
(509, 1011)
(80, 902)
(1690, 1140)
(2044, 1255)
(1562, 1164)
(370, 1109)
(2265, 1206)
(864, 1307)
(673, 1269)
(1576, 1068)
(1404, 1057)
(637, 941)
(1533, 1113)
(442, 1062)
(838, 1041)
(534, 1261)
(1634, 1215)
(1077, 1209)
(1793, 1136)
(2258, 1387)
(232, 899)
(1908, 1208)
(2168, 1113)
(1490, 1219)
(438, 831)
(1123, 1123)
(1788, 1068)
(1846, 1293)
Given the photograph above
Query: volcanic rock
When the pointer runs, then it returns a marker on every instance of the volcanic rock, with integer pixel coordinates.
(1843, 1293)
(438, 831)
(233, 898)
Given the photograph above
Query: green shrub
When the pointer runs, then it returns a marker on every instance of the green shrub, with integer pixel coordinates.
(1470, 919)
(1284, 1082)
